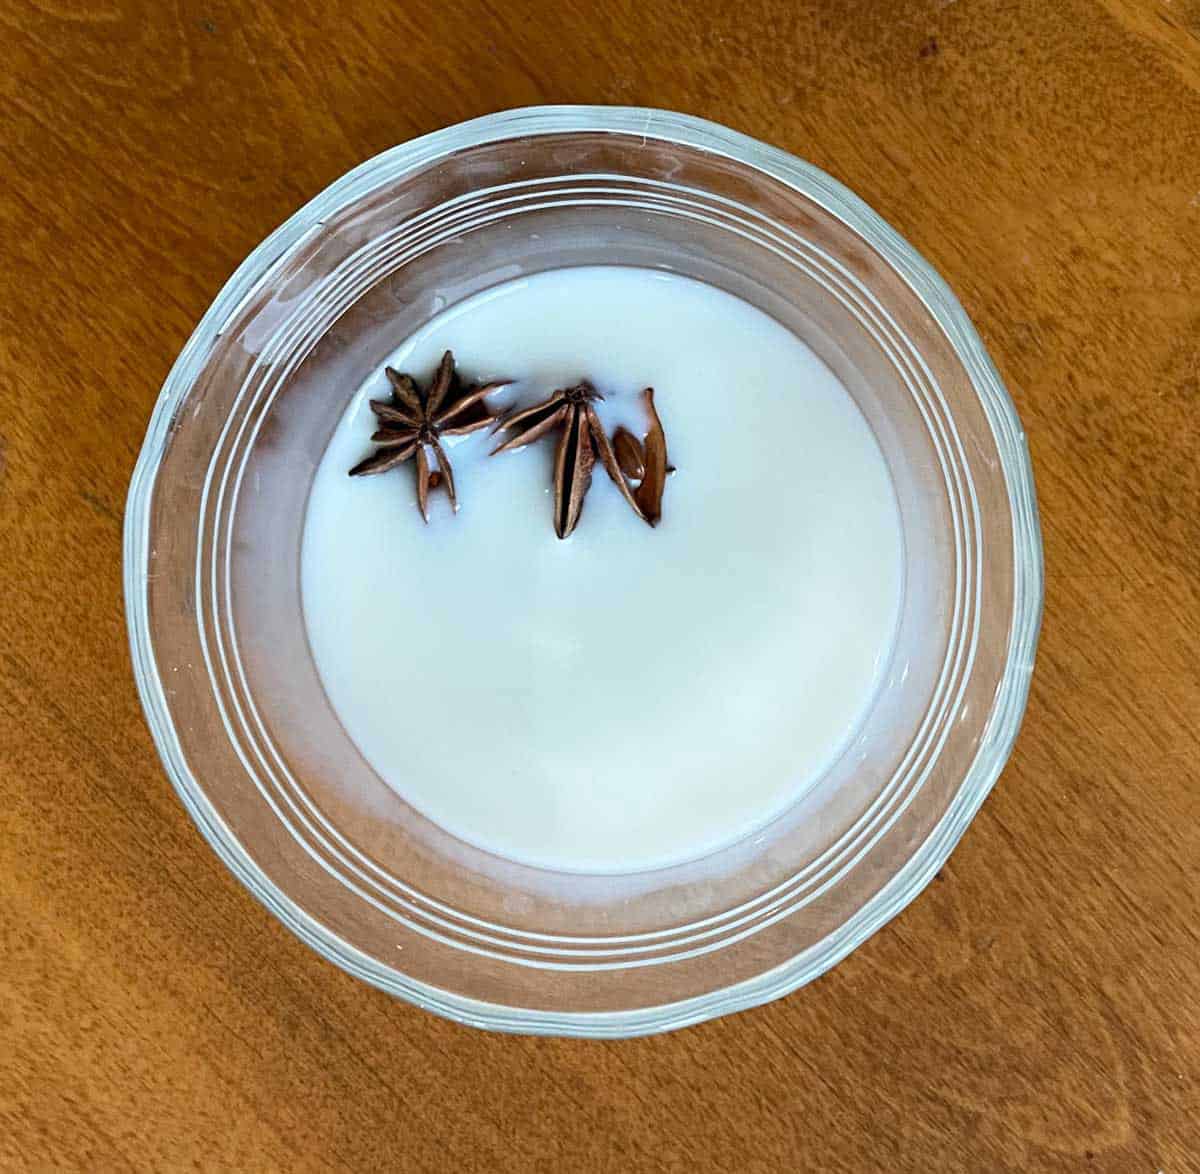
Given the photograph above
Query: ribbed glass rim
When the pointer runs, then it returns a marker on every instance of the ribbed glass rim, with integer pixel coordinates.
(998, 737)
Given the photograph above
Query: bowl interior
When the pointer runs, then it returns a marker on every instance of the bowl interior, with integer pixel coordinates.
(266, 762)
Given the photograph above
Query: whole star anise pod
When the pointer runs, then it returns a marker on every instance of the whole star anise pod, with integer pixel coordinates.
(581, 441)
(413, 422)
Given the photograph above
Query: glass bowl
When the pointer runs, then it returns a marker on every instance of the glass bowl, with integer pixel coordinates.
(212, 541)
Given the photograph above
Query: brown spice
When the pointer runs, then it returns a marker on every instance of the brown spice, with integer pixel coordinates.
(582, 439)
(649, 493)
(413, 422)
(629, 454)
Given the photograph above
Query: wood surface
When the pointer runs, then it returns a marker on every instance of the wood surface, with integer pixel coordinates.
(1036, 1009)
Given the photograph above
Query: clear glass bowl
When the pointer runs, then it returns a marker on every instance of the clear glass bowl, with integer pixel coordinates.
(212, 541)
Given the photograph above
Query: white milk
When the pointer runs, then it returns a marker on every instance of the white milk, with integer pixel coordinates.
(629, 697)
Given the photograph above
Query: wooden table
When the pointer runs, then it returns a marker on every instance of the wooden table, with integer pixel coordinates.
(1038, 1009)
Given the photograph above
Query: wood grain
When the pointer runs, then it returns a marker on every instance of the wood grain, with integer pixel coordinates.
(1037, 1009)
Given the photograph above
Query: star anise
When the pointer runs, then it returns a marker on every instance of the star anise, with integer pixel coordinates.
(413, 422)
(582, 440)
(645, 462)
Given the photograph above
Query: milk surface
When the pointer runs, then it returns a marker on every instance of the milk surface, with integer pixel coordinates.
(630, 697)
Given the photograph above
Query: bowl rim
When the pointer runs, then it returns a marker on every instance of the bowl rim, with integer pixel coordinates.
(1004, 721)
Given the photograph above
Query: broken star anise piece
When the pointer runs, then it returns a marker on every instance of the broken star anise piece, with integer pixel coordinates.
(582, 439)
(414, 420)
(645, 462)
(629, 452)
